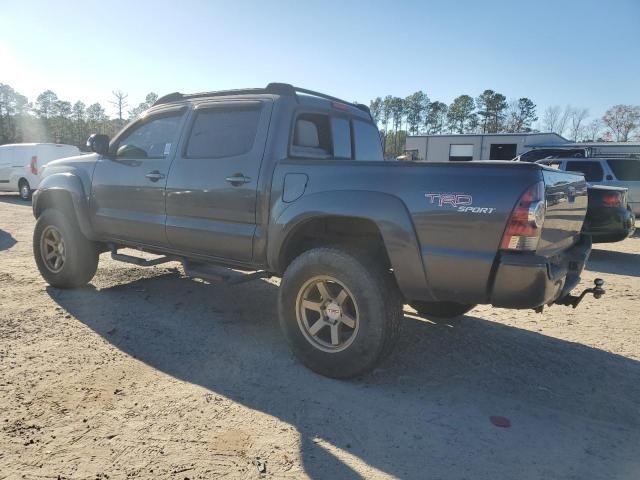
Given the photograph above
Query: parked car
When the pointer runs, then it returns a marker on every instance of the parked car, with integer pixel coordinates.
(615, 172)
(282, 181)
(609, 215)
(20, 164)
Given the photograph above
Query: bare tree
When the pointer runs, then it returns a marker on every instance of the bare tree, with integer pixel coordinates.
(564, 119)
(120, 102)
(592, 130)
(622, 120)
(577, 116)
(550, 119)
(555, 119)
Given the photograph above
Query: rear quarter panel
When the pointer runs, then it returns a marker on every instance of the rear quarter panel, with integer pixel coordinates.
(457, 248)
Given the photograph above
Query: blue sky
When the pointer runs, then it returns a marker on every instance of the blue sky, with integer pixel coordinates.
(585, 53)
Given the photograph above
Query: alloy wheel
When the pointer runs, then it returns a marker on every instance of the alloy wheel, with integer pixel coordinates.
(52, 249)
(327, 314)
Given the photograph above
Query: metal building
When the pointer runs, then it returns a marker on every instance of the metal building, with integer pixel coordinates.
(499, 146)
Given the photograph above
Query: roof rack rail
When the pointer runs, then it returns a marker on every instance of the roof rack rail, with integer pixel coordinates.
(275, 88)
(616, 155)
(287, 88)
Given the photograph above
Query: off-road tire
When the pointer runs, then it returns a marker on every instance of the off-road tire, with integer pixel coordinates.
(441, 310)
(379, 305)
(81, 254)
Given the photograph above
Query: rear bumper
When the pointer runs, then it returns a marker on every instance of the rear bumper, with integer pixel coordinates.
(530, 281)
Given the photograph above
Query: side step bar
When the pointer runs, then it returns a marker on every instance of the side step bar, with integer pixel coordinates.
(217, 274)
(142, 262)
(211, 273)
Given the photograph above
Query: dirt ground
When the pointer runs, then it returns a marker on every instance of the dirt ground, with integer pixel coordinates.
(148, 374)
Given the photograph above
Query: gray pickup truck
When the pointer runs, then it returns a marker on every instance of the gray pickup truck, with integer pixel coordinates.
(286, 182)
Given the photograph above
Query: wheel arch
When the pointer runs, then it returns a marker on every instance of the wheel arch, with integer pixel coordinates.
(64, 191)
(383, 218)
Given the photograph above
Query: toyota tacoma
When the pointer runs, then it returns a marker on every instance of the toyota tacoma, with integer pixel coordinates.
(287, 182)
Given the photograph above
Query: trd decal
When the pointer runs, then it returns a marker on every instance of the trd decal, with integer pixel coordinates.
(453, 199)
(462, 202)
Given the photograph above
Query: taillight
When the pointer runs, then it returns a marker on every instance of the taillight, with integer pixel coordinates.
(612, 199)
(34, 165)
(525, 223)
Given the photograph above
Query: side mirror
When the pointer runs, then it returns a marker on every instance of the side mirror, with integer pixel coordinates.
(98, 143)
(131, 151)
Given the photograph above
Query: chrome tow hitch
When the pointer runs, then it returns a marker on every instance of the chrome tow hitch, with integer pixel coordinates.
(574, 301)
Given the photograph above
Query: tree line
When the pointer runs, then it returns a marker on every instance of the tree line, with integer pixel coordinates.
(51, 119)
(491, 112)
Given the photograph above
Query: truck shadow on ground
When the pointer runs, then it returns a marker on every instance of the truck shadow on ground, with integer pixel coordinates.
(6, 240)
(423, 413)
(618, 263)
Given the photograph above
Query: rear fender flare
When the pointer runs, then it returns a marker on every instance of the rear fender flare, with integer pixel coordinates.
(386, 211)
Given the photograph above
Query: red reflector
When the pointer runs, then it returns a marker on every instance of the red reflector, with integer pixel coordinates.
(34, 165)
(340, 106)
(611, 200)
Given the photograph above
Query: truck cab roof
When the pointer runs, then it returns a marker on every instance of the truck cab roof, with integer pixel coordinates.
(299, 95)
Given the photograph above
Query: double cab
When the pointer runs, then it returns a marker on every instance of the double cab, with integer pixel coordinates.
(287, 182)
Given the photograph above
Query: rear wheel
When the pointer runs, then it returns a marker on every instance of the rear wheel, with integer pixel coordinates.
(441, 310)
(339, 313)
(65, 257)
(24, 189)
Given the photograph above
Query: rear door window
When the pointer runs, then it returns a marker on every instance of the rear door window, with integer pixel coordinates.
(625, 170)
(592, 170)
(225, 131)
(367, 141)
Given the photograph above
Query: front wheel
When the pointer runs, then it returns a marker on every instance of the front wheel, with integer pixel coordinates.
(441, 310)
(340, 314)
(65, 257)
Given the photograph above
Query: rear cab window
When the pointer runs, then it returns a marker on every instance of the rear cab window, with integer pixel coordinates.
(625, 170)
(368, 145)
(341, 138)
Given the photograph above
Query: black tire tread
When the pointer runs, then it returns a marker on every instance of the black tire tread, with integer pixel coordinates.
(80, 268)
(374, 271)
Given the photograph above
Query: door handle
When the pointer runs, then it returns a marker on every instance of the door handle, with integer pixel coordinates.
(154, 176)
(238, 179)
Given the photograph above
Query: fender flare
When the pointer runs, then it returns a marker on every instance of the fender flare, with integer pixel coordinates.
(387, 212)
(65, 183)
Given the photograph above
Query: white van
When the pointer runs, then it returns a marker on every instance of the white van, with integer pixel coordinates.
(20, 164)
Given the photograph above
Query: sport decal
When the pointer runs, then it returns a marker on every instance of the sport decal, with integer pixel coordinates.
(462, 202)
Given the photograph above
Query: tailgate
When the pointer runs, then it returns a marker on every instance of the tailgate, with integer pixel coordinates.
(566, 198)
